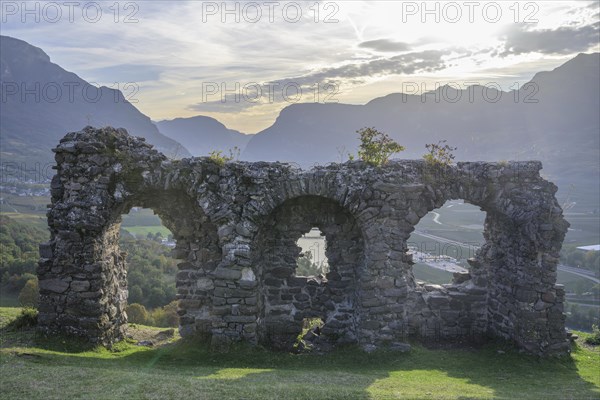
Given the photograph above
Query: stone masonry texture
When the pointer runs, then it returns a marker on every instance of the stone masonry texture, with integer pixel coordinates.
(236, 226)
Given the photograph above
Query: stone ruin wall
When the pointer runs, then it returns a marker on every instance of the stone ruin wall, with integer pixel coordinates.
(236, 227)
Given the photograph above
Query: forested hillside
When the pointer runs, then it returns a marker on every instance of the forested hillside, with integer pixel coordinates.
(151, 270)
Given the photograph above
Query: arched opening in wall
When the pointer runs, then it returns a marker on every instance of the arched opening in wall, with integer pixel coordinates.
(313, 258)
(444, 240)
(292, 304)
(312, 263)
(189, 243)
(151, 269)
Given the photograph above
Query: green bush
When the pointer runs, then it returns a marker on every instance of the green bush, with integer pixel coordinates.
(28, 297)
(376, 147)
(27, 319)
(219, 158)
(595, 338)
(137, 314)
(165, 317)
(439, 154)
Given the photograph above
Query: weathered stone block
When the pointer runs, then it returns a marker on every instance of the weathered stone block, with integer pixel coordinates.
(205, 284)
(54, 285)
(46, 250)
(227, 273)
(438, 301)
(526, 295)
(80, 286)
(240, 318)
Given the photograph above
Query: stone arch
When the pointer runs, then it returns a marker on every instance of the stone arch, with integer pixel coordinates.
(227, 217)
(456, 310)
(441, 239)
(511, 291)
(197, 249)
(285, 300)
(101, 174)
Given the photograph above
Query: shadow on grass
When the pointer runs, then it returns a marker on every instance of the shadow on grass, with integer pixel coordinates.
(494, 370)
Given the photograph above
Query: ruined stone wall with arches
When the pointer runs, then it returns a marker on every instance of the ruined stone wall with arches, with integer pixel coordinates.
(236, 226)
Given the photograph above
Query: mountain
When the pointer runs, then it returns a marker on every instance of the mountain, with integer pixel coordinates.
(41, 102)
(553, 118)
(201, 135)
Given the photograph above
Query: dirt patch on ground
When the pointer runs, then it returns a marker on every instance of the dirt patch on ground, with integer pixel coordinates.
(151, 337)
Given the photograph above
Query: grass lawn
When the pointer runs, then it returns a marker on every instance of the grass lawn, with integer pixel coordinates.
(36, 368)
(425, 273)
(8, 300)
(143, 230)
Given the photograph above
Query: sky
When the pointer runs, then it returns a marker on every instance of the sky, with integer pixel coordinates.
(242, 62)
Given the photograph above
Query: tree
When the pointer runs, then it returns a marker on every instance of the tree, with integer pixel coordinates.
(376, 147)
(136, 295)
(136, 313)
(305, 265)
(156, 297)
(29, 294)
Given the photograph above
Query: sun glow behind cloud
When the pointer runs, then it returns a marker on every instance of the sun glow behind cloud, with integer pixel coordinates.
(368, 49)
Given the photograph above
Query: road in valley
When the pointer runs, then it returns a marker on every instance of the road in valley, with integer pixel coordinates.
(584, 273)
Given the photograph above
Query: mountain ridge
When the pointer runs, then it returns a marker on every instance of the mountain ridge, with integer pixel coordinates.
(202, 134)
(61, 102)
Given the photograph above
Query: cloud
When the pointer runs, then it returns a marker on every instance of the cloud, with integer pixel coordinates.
(126, 73)
(229, 103)
(329, 81)
(593, 5)
(563, 40)
(409, 63)
(384, 45)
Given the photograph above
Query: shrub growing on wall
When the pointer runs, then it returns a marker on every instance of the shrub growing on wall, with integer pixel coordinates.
(376, 147)
(439, 153)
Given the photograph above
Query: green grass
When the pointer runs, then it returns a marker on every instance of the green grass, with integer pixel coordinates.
(8, 314)
(144, 230)
(9, 299)
(425, 273)
(574, 282)
(42, 369)
(38, 220)
(25, 204)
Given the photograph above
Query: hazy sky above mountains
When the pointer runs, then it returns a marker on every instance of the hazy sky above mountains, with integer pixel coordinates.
(181, 55)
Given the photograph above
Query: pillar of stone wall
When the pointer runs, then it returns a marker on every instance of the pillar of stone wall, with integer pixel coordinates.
(524, 303)
(82, 275)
